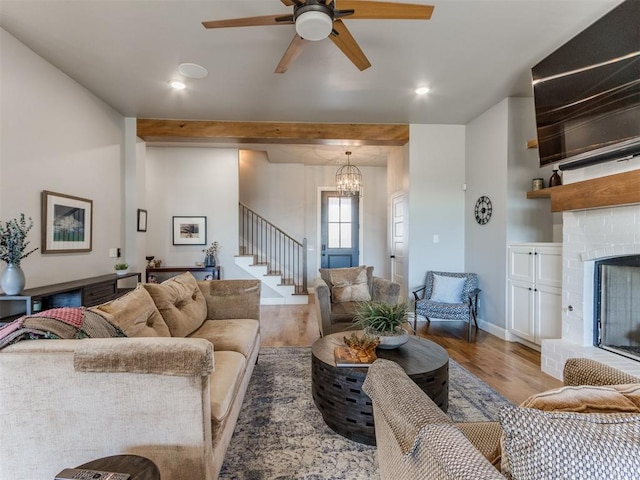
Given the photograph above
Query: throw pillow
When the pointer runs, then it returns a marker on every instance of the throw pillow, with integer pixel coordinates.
(588, 399)
(135, 313)
(180, 302)
(447, 289)
(349, 285)
(560, 445)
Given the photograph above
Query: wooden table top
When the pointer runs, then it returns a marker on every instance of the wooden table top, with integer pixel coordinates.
(417, 356)
(140, 468)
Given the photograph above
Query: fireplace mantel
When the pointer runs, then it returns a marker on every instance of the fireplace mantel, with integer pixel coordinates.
(617, 189)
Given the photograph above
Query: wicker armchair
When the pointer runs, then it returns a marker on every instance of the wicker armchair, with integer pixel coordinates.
(338, 316)
(415, 439)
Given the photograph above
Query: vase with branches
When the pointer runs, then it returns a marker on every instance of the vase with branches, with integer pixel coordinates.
(13, 248)
(210, 254)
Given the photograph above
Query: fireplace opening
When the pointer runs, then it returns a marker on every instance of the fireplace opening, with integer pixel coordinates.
(617, 305)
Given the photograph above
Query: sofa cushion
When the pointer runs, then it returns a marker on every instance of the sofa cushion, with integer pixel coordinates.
(447, 289)
(349, 285)
(588, 399)
(180, 303)
(231, 298)
(135, 313)
(560, 445)
(232, 335)
(224, 382)
(325, 274)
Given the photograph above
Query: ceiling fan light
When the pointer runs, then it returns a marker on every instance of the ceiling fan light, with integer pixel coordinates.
(314, 25)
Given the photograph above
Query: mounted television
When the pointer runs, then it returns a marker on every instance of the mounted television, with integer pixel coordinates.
(587, 93)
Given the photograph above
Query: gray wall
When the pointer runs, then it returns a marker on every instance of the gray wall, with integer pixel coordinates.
(58, 136)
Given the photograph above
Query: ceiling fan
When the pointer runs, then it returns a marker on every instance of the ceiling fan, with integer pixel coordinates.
(319, 19)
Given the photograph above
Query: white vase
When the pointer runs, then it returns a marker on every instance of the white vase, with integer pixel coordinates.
(12, 280)
(393, 341)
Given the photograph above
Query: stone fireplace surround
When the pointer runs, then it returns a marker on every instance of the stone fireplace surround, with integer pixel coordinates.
(587, 236)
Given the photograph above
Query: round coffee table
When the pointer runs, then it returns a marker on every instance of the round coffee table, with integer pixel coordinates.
(337, 391)
(140, 468)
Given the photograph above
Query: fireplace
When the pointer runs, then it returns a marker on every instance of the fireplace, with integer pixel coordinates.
(617, 305)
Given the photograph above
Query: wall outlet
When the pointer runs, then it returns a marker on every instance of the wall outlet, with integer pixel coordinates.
(436, 239)
(113, 253)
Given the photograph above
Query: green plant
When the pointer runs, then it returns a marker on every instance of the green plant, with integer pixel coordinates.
(13, 240)
(381, 318)
(121, 266)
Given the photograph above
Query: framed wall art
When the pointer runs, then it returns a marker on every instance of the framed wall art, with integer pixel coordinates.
(142, 220)
(189, 230)
(67, 223)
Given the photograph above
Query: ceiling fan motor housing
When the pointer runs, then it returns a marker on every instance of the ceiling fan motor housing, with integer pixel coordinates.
(314, 20)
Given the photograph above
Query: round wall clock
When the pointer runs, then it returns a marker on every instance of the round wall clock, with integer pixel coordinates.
(483, 210)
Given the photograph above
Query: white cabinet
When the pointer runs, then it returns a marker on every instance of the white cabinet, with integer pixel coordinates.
(535, 291)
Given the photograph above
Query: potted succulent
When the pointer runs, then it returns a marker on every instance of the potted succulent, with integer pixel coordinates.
(121, 268)
(13, 246)
(384, 320)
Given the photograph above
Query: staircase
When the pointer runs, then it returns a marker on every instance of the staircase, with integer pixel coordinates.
(274, 257)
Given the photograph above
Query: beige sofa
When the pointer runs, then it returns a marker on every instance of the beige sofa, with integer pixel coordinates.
(171, 392)
(545, 439)
(338, 290)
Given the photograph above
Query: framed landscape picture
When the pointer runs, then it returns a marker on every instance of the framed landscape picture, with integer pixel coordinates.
(67, 223)
(189, 230)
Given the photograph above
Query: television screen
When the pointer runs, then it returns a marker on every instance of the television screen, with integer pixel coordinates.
(587, 93)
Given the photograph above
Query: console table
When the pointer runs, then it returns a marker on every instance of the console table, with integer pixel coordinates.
(160, 274)
(87, 292)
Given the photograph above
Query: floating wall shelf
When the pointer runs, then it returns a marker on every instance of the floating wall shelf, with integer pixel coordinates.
(609, 191)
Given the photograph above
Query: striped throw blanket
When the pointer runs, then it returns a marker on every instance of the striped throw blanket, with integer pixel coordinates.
(58, 323)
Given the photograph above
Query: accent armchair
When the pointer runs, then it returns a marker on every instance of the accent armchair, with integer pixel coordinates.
(448, 296)
(338, 291)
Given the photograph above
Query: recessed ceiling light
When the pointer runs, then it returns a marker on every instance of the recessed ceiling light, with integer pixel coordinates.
(192, 70)
(178, 85)
(422, 90)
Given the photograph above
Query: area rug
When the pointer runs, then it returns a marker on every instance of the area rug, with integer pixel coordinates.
(281, 435)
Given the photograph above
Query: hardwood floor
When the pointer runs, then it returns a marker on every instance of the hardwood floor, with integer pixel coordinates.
(510, 368)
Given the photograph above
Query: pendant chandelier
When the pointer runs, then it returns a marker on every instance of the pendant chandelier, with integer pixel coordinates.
(349, 180)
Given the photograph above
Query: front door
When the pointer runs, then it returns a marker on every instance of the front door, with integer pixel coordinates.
(339, 230)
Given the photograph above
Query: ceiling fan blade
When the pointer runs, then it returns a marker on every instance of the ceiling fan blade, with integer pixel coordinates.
(249, 21)
(386, 10)
(345, 42)
(292, 52)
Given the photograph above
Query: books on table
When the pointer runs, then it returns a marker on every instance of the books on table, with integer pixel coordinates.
(345, 357)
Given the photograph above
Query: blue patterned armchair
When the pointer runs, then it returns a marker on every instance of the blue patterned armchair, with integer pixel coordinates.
(448, 296)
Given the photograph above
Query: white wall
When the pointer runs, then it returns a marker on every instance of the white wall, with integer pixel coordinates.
(436, 201)
(58, 136)
(288, 195)
(487, 147)
(184, 181)
(501, 167)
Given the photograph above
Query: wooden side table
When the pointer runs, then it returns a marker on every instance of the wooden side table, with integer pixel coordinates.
(140, 468)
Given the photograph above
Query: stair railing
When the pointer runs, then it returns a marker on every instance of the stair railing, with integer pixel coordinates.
(283, 255)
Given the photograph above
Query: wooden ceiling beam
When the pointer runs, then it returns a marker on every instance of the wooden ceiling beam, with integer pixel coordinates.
(157, 130)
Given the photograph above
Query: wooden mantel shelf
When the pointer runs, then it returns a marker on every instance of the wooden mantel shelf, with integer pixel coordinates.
(618, 189)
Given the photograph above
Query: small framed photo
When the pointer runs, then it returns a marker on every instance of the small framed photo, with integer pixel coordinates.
(142, 220)
(67, 223)
(189, 230)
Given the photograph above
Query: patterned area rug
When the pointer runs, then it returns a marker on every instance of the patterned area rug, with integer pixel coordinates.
(281, 435)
